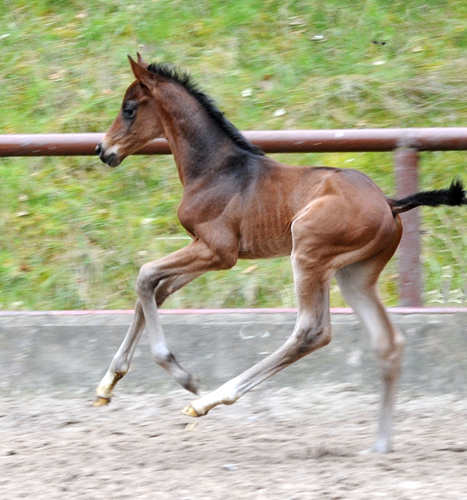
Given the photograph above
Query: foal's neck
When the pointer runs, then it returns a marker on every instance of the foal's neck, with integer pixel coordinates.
(197, 143)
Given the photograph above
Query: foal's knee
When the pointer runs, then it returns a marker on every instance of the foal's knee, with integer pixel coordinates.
(147, 280)
(161, 354)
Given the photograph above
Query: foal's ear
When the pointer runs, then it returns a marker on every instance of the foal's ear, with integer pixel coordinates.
(141, 72)
(141, 61)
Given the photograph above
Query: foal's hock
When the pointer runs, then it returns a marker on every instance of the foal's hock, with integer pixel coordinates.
(239, 204)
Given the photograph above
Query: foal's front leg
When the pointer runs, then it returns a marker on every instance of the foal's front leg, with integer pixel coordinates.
(191, 261)
(121, 362)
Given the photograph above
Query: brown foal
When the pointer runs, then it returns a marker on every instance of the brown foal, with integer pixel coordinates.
(239, 204)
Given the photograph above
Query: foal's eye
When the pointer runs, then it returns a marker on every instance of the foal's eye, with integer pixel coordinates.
(129, 110)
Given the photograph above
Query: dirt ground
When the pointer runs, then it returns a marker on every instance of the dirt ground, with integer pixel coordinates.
(279, 444)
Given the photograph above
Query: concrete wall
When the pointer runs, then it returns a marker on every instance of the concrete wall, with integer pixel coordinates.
(68, 354)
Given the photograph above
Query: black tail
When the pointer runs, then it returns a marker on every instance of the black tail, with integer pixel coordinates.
(454, 196)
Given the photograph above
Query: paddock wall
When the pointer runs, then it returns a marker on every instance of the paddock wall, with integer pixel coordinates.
(67, 354)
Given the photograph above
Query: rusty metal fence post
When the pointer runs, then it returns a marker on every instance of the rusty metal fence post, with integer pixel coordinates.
(408, 254)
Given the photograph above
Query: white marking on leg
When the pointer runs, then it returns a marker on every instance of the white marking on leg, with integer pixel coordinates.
(122, 359)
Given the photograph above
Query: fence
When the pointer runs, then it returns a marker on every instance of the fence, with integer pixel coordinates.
(406, 144)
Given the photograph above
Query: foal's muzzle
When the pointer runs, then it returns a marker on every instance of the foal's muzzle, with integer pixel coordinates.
(111, 159)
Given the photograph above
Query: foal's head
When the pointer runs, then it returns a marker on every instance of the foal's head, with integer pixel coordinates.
(137, 121)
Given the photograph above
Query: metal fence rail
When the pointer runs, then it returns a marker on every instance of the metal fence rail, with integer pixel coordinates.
(406, 143)
(271, 141)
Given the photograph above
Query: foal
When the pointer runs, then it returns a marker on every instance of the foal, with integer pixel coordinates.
(239, 204)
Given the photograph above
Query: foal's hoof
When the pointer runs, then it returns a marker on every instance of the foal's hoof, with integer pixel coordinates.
(192, 385)
(100, 401)
(189, 383)
(190, 411)
(376, 450)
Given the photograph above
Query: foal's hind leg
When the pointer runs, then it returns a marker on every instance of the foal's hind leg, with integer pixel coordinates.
(358, 285)
(121, 362)
(312, 331)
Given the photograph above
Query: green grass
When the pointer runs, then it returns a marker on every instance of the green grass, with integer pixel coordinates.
(73, 233)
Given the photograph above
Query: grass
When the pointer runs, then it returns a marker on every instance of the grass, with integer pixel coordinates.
(73, 233)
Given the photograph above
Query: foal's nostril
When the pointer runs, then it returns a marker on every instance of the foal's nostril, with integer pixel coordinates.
(98, 149)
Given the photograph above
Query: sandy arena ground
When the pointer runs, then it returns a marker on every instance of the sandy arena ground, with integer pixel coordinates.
(282, 444)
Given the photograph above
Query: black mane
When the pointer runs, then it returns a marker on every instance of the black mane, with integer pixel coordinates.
(169, 72)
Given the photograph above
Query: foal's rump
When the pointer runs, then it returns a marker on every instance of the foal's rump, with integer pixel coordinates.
(337, 228)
